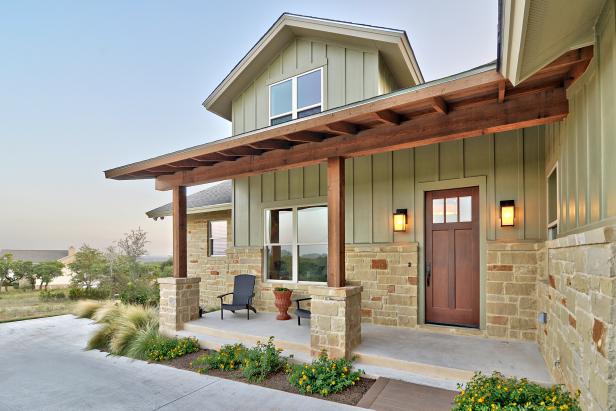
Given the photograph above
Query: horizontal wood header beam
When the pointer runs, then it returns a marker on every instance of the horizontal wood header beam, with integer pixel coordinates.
(520, 111)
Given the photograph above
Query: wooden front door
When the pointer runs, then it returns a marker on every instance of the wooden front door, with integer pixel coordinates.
(452, 257)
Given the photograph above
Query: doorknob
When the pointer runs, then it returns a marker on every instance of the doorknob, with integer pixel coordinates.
(428, 274)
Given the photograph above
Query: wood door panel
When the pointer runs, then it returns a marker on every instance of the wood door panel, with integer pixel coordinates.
(452, 262)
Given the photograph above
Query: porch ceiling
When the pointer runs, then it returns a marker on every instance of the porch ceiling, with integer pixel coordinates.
(469, 104)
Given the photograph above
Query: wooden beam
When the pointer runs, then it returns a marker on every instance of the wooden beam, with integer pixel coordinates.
(522, 111)
(347, 113)
(272, 145)
(187, 163)
(389, 116)
(502, 86)
(342, 127)
(180, 256)
(335, 222)
(241, 151)
(439, 105)
(305, 137)
(214, 157)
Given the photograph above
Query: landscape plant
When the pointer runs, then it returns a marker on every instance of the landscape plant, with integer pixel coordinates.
(262, 361)
(229, 358)
(45, 295)
(323, 376)
(496, 392)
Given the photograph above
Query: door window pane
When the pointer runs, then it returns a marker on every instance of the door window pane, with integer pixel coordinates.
(312, 225)
(280, 99)
(309, 89)
(280, 226)
(312, 264)
(438, 211)
(466, 208)
(279, 260)
(451, 210)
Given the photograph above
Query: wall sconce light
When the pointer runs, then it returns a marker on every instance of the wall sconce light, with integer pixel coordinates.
(507, 208)
(400, 220)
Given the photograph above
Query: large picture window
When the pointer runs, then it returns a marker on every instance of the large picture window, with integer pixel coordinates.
(296, 97)
(217, 238)
(296, 244)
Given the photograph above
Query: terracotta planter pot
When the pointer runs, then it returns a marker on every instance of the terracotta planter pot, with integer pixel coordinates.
(283, 302)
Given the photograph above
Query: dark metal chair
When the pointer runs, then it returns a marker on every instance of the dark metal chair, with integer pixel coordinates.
(243, 292)
(302, 312)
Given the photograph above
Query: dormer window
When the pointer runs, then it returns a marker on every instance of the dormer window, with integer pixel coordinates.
(296, 97)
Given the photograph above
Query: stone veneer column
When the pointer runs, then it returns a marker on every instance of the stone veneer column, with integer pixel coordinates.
(179, 302)
(335, 325)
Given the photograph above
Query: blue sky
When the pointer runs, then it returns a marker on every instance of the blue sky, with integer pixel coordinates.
(87, 86)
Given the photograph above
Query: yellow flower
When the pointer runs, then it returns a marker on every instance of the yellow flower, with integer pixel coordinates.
(480, 400)
(564, 407)
(352, 382)
(333, 383)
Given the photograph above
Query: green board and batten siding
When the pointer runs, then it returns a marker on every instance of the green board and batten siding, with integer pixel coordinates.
(377, 185)
(349, 75)
(584, 144)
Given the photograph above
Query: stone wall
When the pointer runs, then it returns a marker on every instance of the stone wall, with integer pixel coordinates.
(511, 294)
(388, 275)
(579, 295)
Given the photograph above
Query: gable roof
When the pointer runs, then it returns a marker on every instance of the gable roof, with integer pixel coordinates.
(393, 45)
(36, 256)
(215, 197)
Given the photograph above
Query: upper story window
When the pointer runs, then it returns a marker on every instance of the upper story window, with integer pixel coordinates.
(296, 97)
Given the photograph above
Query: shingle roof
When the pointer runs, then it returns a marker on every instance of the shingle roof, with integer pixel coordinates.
(216, 195)
(36, 256)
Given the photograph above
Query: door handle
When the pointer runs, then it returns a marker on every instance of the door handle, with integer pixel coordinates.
(428, 274)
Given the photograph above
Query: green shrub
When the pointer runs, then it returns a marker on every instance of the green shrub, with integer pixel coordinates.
(142, 293)
(75, 293)
(262, 360)
(167, 348)
(229, 358)
(497, 392)
(323, 376)
(45, 295)
(132, 319)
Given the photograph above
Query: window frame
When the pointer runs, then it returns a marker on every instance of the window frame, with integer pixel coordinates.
(294, 244)
(556, 222)
(210, 251)
(294, 109)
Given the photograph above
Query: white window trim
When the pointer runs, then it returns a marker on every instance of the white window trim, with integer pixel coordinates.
(294, 246)
(210, 251)
(556, 222)
(294, 108)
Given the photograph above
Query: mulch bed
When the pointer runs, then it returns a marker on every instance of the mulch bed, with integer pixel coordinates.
(278, 381)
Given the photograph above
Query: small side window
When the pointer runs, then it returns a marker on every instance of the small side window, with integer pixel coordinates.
(217, 238)
(553, 206)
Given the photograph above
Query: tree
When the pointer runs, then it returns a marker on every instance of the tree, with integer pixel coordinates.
(133, 244)
(24, 270)
(47, 271)
(90, 267)
(7, 276)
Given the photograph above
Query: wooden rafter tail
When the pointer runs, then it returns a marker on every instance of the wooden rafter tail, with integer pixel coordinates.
(502, 88)
(439, 105)
(389, 117)
(272, 145)
(343, 127)
(305, 137)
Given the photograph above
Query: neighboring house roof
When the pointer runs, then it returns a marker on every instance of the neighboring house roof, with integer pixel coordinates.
(393, 45)
(36, 256)
(215, 197)
(535, 32)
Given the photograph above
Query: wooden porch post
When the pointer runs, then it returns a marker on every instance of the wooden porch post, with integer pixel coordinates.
(179, 232)
(335, 222)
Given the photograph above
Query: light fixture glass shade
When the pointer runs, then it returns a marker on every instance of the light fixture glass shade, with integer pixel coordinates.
(507, 213)
(400, 220)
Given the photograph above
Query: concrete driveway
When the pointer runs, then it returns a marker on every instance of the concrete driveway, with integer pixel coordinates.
(43, 367)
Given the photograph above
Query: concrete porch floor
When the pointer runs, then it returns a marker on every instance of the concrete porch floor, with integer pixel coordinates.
(418, 356)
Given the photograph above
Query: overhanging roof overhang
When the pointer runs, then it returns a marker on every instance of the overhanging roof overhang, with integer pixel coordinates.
(468, 104)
